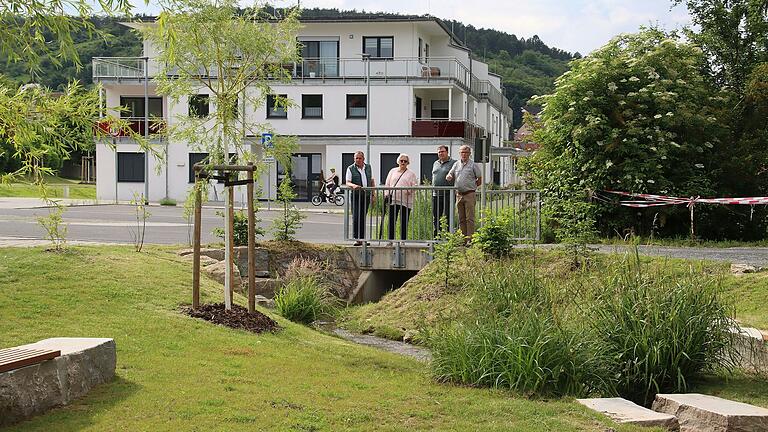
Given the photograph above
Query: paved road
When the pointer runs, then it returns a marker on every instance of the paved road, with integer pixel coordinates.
(166, 225)
(115, 223)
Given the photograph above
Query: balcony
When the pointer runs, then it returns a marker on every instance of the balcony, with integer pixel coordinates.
(442, 69)
(445, 128)
(136, 125)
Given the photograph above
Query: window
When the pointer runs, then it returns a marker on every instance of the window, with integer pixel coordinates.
(198, 106)
(321, 58)
(347, 159)
(421, 51)
(273, 109)
(426, 53)
(387, 162)
(427, 160)
(193, 159)
(357, 106)
(379, 47)
(203, 158)
(134, 107)
(130, 167)
(440, 109)
(311, 106)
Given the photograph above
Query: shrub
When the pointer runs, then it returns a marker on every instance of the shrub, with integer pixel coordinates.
(662, 329)
(495, 235)
(168, 202)
(240, 228)
(305, 299)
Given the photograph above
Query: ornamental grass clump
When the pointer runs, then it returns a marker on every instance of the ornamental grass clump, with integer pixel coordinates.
(305, 297)
(633, 331)
(662, 328)
(513, 339)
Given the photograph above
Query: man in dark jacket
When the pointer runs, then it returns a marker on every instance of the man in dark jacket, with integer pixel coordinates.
(359, 175)
(441, 200)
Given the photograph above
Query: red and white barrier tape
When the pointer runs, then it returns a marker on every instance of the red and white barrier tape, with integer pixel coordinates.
(651, 200)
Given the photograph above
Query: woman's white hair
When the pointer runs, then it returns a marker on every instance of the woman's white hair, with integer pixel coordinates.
(403, 155)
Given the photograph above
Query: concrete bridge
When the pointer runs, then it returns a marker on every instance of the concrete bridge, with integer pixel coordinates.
(388, 259)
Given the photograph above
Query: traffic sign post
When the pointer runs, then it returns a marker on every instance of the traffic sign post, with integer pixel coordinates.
(266, 141)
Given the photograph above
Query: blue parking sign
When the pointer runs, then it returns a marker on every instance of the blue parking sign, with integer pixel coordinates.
(266, 140)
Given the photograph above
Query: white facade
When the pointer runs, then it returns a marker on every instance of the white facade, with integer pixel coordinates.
(426, 93)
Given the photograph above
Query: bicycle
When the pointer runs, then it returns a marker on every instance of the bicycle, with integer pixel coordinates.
(324, 196)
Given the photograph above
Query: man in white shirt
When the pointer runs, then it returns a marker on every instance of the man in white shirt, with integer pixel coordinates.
(467, 176)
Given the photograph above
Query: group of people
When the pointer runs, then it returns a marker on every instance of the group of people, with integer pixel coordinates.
(464, 174)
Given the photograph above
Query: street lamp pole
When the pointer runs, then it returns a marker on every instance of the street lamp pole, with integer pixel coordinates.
(367, 58)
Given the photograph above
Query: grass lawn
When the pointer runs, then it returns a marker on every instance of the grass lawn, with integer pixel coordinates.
(55, 186)
(177, 373)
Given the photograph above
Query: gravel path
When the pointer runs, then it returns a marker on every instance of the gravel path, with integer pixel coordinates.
(755, 256)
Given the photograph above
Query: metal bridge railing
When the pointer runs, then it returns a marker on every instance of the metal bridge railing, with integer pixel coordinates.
(412, 214)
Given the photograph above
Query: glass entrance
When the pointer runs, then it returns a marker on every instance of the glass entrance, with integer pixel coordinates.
(305, 174)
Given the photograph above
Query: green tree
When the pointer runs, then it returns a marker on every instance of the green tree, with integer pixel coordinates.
(733, 34)
(285, 225)
(232, 55)
(636, 115)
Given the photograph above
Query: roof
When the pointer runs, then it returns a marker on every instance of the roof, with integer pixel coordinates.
(357, 18)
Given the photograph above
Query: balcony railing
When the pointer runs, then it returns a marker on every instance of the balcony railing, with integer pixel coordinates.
(136, 125)
(445, 128)
(118, 67)
(433, 69)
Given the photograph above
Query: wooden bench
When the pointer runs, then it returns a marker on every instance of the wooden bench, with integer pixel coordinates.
(15, 358)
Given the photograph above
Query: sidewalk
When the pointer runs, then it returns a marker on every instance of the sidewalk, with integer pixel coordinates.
(23, 203)
(28, 203)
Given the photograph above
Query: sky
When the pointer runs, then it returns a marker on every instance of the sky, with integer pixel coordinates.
(571, 25)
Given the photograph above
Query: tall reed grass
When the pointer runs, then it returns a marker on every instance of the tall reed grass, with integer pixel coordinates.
(636, 333)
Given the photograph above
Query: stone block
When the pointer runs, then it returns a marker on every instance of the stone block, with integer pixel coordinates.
(217, 254)
(217, 272)
(744, 269)
(624, 411)
(265, 302)
(265, 287)
(704, 413)
(83, 364)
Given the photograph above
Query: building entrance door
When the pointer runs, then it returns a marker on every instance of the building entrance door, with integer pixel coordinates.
(305, 174)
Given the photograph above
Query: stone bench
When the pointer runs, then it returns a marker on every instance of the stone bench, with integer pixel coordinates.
(704, 413)
(34, 389)
(623, 411)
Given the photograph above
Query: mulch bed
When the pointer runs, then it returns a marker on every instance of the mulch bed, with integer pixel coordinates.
(237, 318)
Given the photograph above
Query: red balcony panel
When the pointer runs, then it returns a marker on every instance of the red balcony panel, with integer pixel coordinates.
(438, 128)
(135, 125)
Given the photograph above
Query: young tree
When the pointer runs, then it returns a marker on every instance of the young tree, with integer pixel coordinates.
(219, 54)
(214, 48)
(636, 115)
(284, 226)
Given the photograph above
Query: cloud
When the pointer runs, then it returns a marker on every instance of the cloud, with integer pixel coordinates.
(571, 25)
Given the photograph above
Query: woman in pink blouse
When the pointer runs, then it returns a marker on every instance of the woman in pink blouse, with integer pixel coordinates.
(400, 201)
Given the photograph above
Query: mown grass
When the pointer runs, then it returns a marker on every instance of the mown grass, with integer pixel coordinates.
(177, 373)
(54, 188)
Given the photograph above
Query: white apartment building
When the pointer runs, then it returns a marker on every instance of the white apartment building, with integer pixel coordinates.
(425, 90)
